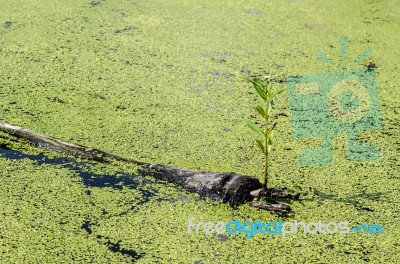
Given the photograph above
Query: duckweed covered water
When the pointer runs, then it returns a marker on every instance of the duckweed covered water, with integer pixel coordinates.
(159, 82)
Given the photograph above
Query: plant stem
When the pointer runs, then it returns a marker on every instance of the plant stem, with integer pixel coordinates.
(266, 147)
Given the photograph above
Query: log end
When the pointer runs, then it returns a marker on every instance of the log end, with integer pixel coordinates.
(230, 187)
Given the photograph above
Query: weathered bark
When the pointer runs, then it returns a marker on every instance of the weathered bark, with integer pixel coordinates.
(44, 141)
(232, 188)
(229, 187)
(272, 193)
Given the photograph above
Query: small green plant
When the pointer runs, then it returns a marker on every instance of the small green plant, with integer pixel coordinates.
(264, 88)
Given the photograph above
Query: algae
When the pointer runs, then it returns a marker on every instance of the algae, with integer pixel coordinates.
(157, 81)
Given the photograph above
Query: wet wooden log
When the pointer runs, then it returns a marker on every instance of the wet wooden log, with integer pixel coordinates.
(44, 141)
(229, 187)
(232, 188)
(272, 193)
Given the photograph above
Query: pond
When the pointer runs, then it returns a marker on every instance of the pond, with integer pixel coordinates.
(161, 82)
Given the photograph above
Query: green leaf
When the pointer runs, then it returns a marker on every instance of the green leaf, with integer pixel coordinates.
(270, 141)
(271, 138)
(253, 126)
(279, 92)
(258, 88)
(261, 110)
(260, 145)
(276, 94)
(260, 91)
(269, 91)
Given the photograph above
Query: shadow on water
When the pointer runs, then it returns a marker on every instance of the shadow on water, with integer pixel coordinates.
(355, 200)
(91, 179)
(114, 247)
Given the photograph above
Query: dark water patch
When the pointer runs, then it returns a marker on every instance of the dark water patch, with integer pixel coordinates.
(246, 72)
(114, 247)
(96, 3)
(364, 208)
(218, 60)
(128, 28)
(222, 237)
(355, 200)
(222, 74)
(86, 226)
(89, 179)
(7, 24)
(182, 198)
(379, 196)
(371, 67)
(55, 99)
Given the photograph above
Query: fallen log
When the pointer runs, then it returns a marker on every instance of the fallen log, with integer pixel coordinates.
(272, 193)
(232, 188)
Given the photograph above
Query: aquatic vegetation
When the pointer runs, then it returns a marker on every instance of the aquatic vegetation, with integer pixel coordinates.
(163, 91)
(264, 88)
